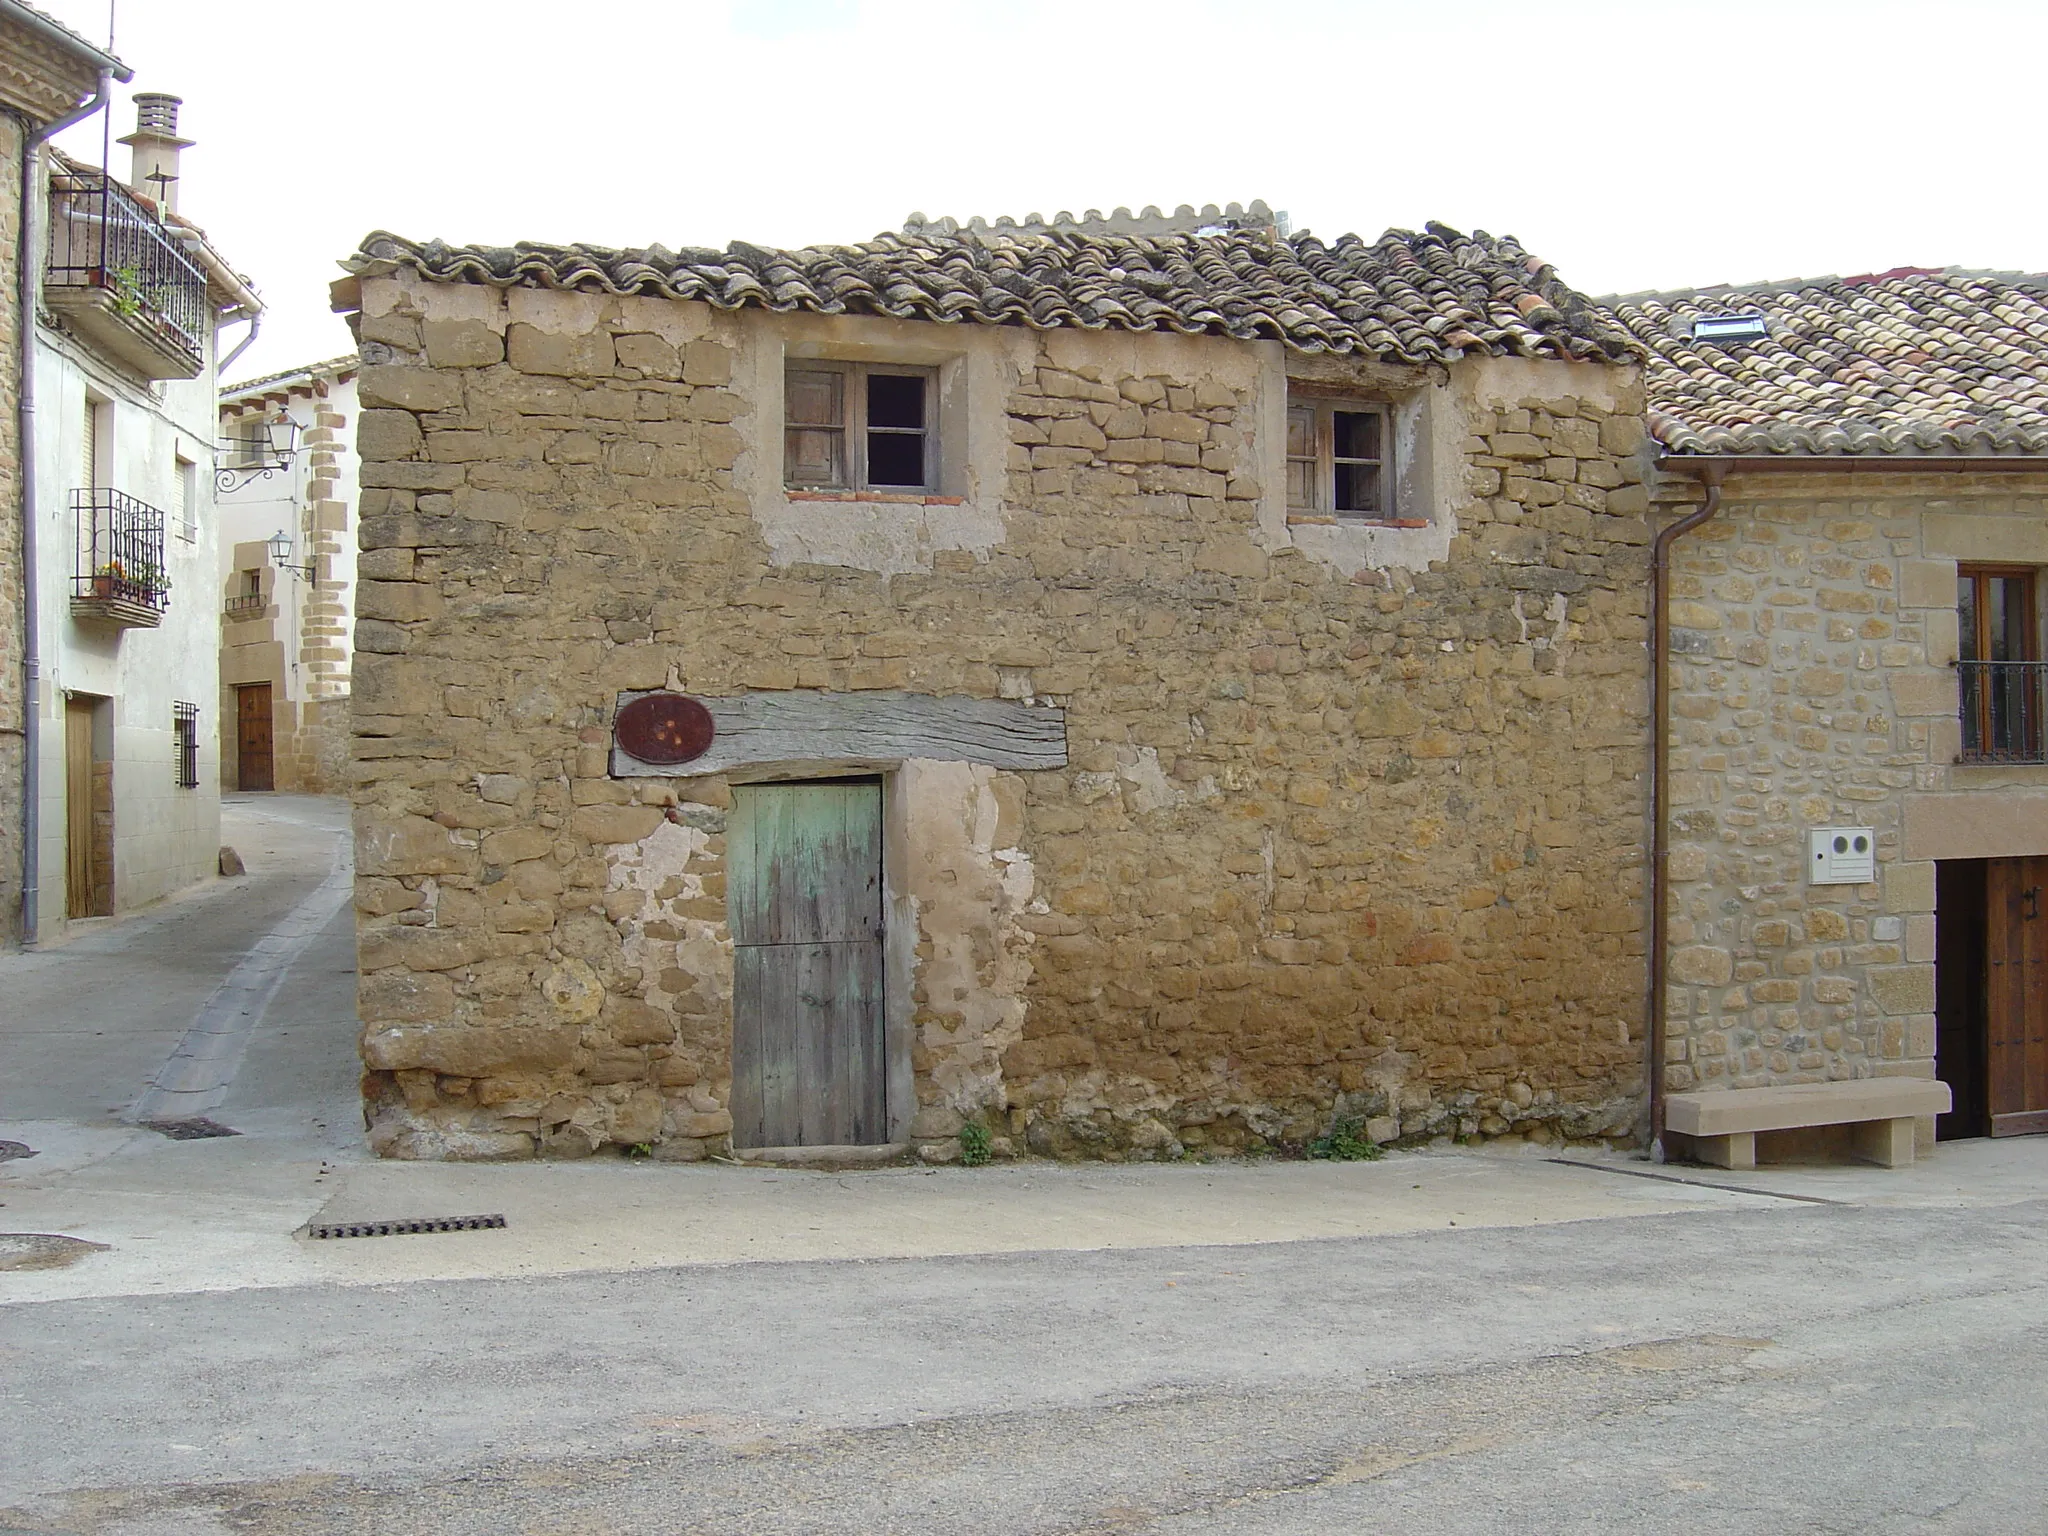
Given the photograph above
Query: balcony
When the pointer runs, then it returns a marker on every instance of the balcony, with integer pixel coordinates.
(118, 276)
(2002, 711)
(119, 579)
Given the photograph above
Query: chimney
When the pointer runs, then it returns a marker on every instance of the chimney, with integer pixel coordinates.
(154, 147)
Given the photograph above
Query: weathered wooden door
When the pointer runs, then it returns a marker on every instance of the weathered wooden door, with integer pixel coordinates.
(252, 737)
(804, 897)
(2016, 988)
(80, 900)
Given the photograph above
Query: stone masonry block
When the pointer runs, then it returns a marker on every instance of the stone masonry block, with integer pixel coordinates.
(650, 354)
(389, 434)
(1927, 584)
(706, 362)
(587, 356)
(462, 344)
(400, 602)
(1909, 887)
(408, 389)
(1924, 693)
(1702, 965)
(1901, 989)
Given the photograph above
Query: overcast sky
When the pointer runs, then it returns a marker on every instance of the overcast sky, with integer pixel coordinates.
(1646, 145)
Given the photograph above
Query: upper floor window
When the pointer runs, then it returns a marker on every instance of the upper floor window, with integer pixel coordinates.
(249, 442)
(859, 427)
(1998, 664)
(1338, 462)
(94, 444)
(185, 499)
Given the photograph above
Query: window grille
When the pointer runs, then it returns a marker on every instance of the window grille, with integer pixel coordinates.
(185, 736)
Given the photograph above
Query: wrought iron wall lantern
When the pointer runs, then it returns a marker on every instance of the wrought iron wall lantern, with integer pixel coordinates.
(281, 545)
(261, 447)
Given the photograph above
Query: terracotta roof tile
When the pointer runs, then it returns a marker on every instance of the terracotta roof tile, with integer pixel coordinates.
(1911, 361)
(1408, 297)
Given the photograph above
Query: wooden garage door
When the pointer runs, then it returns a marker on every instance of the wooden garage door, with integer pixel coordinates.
(804, 895)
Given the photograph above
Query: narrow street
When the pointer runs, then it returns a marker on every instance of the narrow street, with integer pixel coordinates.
(1454, 1341)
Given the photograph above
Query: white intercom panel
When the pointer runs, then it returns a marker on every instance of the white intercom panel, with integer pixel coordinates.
(1842, 856)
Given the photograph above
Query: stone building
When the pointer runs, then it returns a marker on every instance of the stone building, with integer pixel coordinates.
(133, 304)
(287, 603)
(1124, 685)
(1856, 668)
(49, 77)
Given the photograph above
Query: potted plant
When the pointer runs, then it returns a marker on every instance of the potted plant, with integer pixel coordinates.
(109, 579)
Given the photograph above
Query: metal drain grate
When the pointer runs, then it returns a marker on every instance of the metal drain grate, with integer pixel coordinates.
(189, 1130)
(400, 1228)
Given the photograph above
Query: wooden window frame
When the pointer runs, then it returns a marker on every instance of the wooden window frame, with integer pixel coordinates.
(854, 430)
(1322, 459)
(1981, 705)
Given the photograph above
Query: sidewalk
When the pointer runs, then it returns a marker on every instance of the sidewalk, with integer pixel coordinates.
(231, 1212)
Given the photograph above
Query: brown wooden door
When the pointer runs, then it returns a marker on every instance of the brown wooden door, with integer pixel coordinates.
(2016, 994)
(252, 737)
(80, 899)
(804, 899)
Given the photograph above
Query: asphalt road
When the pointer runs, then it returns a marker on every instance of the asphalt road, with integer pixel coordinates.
(1804, 1368)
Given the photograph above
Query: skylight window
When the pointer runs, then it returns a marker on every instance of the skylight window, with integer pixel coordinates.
(1730, 328)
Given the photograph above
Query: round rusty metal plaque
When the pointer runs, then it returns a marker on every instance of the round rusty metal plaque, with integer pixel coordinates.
(665, 728)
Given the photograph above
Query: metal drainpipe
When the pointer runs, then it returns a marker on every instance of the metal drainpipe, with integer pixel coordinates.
(29, 270)
(1660, 751)
(221, 367)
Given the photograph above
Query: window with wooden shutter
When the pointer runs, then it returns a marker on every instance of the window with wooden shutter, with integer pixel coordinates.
(859, 427)
(89, 465)
(1338, 462)
(185, 491)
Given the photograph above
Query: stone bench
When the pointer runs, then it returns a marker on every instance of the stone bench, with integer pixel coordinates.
(1723, 1125)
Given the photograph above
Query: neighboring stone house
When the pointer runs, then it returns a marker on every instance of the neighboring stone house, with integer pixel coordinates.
(48, 75)
(287, 604)
(1134, 687)
(1856, 651)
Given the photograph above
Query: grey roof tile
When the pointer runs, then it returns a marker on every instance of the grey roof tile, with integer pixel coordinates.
(1407, 297)
(1911, 361)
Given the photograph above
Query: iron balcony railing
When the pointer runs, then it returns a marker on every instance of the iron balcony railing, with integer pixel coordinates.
(2002, 711)
(120, 550)
(101, 237)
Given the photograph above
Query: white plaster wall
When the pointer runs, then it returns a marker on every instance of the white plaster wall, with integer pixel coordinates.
(165, 836)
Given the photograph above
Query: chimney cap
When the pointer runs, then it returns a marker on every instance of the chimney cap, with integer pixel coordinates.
(156, 117)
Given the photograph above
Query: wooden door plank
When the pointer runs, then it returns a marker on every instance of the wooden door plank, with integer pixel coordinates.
(840, 1048)
(2004, 986)
(2034, 928)
(765, 1068)
(749, 1111)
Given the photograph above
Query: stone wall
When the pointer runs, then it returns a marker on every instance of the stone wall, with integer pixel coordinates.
(1814, 624)
(1335, 836)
